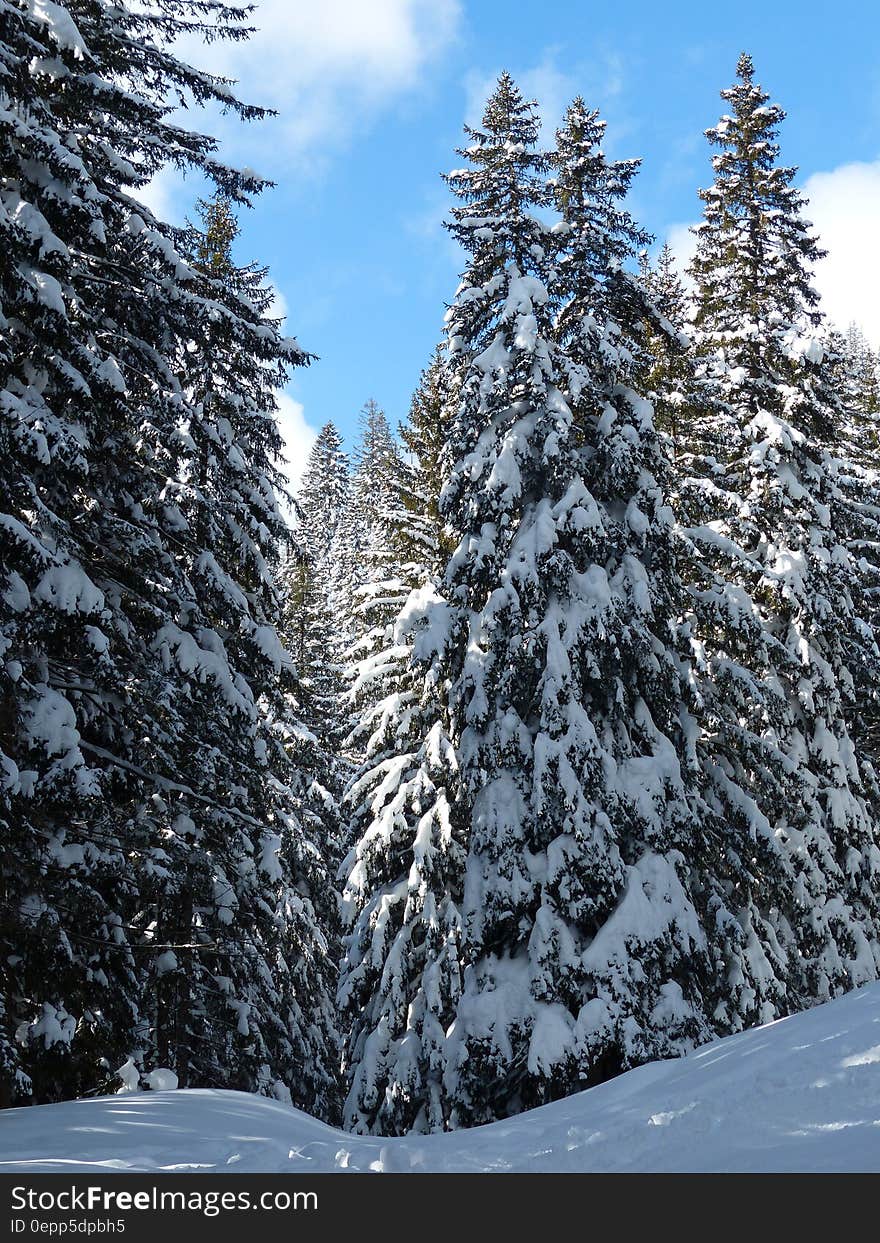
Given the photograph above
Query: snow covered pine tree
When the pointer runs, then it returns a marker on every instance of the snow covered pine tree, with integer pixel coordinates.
(256, 885)
(397, 895)
(856, 370)
(367, 570)
(315, 594)
(779, 636)
(521, 920)
(376, 585)
(861, 365)
(419, 536)
(314, 598)
(139, 657)
(667, 370)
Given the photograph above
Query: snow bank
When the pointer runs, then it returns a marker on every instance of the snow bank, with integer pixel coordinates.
(802, 1094)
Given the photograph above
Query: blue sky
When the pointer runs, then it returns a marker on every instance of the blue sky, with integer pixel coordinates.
(372, 95)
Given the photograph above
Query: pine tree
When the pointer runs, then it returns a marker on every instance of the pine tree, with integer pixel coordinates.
(419, 538)
(315, 592)
(402, 974)
(317, 712)
(777, 616)
(401, 776)
(667, 375)
(862, 373)
(138, 615)
(241, 875)
(374, 589)
(527, 809)
(396, 501)
(85, 287)
(854, 371)
(589, 710)
(367, 559)
(666, 287)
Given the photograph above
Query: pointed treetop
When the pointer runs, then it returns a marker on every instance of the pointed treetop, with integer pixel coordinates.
(580, 121)
(376, 448)
(503, 180)
(587, 188)
(506, 92)
(329, 434)
(508, 112)
(219, 229)
(579, 150)
(755, 121)
(327, 442)
(745, 68)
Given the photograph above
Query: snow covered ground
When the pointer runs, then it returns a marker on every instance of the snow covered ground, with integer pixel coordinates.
(800, 1094)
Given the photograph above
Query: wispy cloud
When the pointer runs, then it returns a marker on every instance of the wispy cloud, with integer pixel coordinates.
(329, 67)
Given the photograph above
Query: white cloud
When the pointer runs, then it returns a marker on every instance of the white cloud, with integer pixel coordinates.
(298, 436)
(330, 66)
(845, 210)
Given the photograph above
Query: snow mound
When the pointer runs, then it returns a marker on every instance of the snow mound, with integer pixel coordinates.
(801, 1094)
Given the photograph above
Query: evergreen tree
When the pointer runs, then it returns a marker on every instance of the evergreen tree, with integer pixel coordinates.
(85, 291)
(400, 777)
(315, 594)
(861, 373)
(242, 876)
(667, 374)
(138, 619)
(397, 496)
(855, 371)
(666, 287)
(778, 622)
(318, 713)
(587, 698)
(419, 538)
(371, 565)
(373, 500)
(521, 922)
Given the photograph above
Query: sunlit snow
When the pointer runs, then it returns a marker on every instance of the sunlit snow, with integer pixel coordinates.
(801, 1094)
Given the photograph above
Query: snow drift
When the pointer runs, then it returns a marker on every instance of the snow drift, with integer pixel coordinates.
(801, 1094)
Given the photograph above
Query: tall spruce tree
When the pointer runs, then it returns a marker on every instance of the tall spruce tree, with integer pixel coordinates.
(313, 598)
(778, 621)
(315, 592)
(367, 558)
(396, 504)
(254, 1008)
(419, 539)
(667, 373)
(371, 566)
(86, 394)
(855, 371)
(861, 379)
(519, 896)
(399, 822)
(138, 613)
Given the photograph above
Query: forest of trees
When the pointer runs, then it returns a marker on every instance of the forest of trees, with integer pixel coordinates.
(543, 742)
